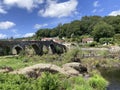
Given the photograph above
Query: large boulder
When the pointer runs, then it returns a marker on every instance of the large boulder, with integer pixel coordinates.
(72, 65)
(36, 69)
(70, 69)
(77, 66)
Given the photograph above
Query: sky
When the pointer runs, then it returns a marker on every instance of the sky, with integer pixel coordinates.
(22, 18)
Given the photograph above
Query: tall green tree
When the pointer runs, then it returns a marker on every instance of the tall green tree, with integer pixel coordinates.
(117, 38)
(114, 21)
(102, 30)
(88, 22)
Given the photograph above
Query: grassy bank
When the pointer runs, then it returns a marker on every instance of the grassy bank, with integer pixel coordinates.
(60, 82)
(51, 82)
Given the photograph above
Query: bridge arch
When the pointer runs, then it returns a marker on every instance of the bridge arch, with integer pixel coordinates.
(36, 48)
(17, 49)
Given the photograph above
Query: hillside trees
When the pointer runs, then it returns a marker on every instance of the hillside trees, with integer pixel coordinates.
(93, 26)
(114, 21)
(117, 38)
(73, 29)
(63, 30)
(102, 30)
(87, 23)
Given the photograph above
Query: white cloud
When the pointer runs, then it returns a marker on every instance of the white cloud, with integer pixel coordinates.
(98, 10)
(38, 26)
(55, 9)
(39, 1)
(94, 11)
(2, 36)
(114, 13)
(14, 31)
(96, 4)
(28, 4)
(28, 34)
(101, 10)
(2, 11)
(6, 25)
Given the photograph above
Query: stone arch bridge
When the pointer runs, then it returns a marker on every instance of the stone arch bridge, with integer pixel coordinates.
(6, 47)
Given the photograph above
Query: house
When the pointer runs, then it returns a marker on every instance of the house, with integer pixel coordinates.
(87, 40)
(46, 39)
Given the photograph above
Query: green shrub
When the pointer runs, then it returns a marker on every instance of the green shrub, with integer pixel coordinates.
(66, 85)
(45, 50)
(97, 82)
(71, 54)
(81, 84)
(49, 82)
(83, 87)
(15, 82)
(106, 41)
(79, 80)
(59, 50)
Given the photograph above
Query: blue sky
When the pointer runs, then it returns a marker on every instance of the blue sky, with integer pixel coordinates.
(22, 18)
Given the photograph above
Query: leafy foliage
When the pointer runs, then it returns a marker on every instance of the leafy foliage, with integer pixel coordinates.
(117, 38)
(20, 82)
(102, 30)
(98, 82)
(106, 40)
(49, 82)
(71, 54)
(59, 50)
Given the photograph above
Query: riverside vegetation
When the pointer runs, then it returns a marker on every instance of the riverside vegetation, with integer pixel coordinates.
(51, 82)
(97, 79)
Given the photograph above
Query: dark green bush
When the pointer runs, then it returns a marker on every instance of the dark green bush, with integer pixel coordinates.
(97, 82)
(49, 82)
(59, 50)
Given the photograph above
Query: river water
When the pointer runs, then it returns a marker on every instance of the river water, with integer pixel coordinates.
(114, 85)
(113, 77)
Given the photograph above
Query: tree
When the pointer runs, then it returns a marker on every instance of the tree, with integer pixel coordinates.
(74, 29)
(87, 23)
(102, 30)
(54, 32)
(114, 21)
(117, 38)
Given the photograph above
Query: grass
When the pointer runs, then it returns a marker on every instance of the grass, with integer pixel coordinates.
(12, 62)
(48, 82)
(95, 82)
(98, 82)
(17, 62)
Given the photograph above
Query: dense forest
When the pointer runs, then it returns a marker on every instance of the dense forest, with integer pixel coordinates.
(93, 26)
